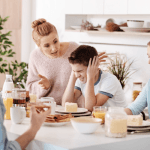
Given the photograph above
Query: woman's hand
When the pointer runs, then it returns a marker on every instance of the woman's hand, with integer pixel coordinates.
(93, 68)
(101, 57)
(44, 83)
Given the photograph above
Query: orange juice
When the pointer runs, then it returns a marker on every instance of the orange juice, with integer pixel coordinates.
(99, 114)
(8, 102)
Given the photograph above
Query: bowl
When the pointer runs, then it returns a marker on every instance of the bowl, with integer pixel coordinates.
(85, 125)
(135, 23)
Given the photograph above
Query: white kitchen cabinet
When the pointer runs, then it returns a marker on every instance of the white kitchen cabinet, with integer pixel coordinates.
(138, 6)
(115, 7)
(73, 6)
(93, 6)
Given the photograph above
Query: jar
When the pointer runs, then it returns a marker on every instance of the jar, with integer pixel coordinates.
(116, 122)
(99, 112)
(137, 88)
(19, 97)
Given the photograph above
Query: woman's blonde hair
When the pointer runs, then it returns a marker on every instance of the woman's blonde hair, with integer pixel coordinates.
(41, 28)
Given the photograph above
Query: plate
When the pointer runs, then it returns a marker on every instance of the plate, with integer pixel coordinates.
(75, 27)
(55, 124)
(139, 129)
(62, 110)
(128, 29)
(145, 124)
(84, 114)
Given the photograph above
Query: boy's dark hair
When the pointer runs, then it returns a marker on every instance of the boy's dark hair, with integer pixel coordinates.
(82, 55)
(148, 44)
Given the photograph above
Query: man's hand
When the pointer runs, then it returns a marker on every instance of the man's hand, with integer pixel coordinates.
(44, 82)
(38, 119)
(93, 68)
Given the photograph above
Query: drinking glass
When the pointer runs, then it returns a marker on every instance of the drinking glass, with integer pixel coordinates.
(99, 112)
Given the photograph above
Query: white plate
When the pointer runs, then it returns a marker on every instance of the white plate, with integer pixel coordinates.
(75, 27)
(145, 124)
(127, 29)
(55, 124)
(62, 110)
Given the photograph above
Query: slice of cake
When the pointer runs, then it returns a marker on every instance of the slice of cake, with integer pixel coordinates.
(71, 107)
(134, 120)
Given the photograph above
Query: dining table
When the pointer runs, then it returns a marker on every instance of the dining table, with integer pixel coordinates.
(65, 137)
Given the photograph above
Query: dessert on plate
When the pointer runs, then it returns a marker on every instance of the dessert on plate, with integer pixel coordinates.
(71, 107)
(134, 120)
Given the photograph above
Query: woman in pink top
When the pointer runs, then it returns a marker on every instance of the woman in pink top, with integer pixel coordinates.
(49, 68)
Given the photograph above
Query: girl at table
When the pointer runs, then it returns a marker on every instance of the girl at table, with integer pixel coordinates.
(49, 68)
(143, 100)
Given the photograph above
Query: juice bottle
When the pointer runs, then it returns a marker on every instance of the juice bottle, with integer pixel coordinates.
(8, 102)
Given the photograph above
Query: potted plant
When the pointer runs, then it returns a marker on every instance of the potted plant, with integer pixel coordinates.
(18, 71)
(121, 68)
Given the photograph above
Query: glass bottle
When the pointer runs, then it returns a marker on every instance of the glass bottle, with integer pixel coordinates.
(8, 85)
(27, 97)
(8, 102)
(137, 88)
(116, 122)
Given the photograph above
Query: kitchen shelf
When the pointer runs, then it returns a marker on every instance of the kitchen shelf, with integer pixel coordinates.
(111, 33)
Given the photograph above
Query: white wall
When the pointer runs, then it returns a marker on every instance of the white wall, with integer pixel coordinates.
(28, 15)
(51, 10)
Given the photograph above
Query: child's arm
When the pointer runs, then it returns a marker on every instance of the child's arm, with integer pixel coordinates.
(90, 98)
(71, 94)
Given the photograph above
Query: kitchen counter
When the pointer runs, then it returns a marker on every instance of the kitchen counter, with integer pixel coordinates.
(66, 138)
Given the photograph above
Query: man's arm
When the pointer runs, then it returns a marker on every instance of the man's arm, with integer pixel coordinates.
(71, 94)
(128, 111)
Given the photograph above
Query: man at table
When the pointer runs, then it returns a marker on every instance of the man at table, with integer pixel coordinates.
(22, 141)
(143, 100)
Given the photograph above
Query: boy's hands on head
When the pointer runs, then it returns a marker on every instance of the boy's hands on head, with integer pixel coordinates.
(73, 75)
(44, 82)
(38, 119)
(93, 68)
(101, 57)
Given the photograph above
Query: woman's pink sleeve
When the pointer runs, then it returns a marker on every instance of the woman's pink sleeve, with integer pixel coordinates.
(32, 81)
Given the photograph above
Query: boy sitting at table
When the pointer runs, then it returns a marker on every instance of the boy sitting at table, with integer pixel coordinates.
(99, 88)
